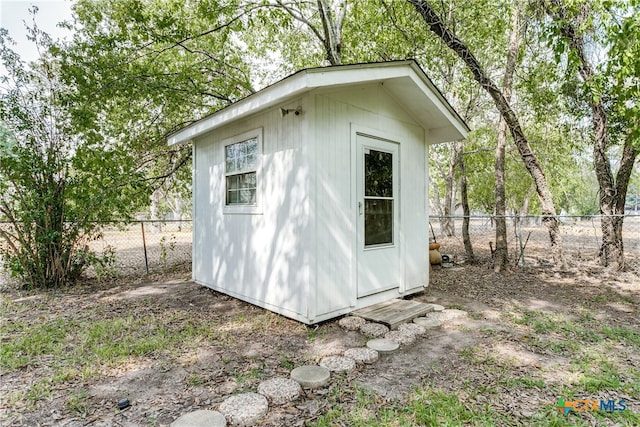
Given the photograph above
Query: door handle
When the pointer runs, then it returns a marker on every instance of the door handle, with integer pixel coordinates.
(360, 207)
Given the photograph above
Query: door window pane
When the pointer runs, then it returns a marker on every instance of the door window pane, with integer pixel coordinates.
(378, 174)
(378, 221)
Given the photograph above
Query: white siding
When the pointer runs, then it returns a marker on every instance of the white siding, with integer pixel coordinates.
(338, 111)
(261, 258)
(297, 257)
(334, 220)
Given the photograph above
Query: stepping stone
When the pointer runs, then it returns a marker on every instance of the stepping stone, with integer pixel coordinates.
(376, 330)
(351, 323)
(412, 328)
(362, 354)
(201, 418)
(437, 307)
(447, 315)
(427, 323)
(280, 390)
(244, 409)
(338, 363)
(382, 345)
(311, 376)
(402, 338)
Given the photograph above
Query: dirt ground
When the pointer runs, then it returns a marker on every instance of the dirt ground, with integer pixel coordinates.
(255, 345)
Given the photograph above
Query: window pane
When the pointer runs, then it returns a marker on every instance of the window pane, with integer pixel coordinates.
(249, 180)
(241, 156)
(232, 182)
(247, 196)
(251, 161)
(241, 160)
(232, 197)
(378, 222)
(241, 189)
(251, 146)
(378, 174)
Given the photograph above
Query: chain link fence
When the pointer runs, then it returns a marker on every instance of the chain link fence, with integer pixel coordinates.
(140, 247)
(528, 238)
(137, 247)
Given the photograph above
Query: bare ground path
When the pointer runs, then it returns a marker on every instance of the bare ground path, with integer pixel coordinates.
(530, 337)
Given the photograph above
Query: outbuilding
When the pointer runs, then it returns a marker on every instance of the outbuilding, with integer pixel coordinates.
(310, 197)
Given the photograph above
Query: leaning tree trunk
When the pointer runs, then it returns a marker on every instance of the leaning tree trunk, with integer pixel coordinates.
(550, 220)
(613, 190)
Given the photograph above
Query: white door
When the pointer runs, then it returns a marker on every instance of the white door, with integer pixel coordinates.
(378, 192)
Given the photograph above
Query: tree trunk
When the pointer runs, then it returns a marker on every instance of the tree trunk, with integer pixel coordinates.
(612, 210)
(501, 255)
(331, 17)
(613, 190)
(449, 195)
(547, 205)
(332, 28)
(466, 212)
(501, 260)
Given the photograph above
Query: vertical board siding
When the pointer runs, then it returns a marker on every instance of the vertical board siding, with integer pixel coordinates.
(287, 258)
(369, 107)
(334, 222)
(258, 257)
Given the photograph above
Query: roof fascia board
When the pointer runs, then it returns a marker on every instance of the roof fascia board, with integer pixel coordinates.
(289, 87)
(268, 97)
(312, 78)
(437, 98)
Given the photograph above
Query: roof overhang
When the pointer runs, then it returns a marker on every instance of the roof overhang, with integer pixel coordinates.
(405, 81)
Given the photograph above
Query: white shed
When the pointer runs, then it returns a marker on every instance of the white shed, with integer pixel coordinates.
(310, 197)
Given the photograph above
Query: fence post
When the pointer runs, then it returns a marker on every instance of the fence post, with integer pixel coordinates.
(144, 246)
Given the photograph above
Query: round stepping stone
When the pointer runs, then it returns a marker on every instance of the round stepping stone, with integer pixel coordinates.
(402, 338)
(201, 418)
(382, 345)
(244, 409)
(376, 330)
(280, 390)
(412, 328)
(427, 323)
(351, 323)
(437, 307)
(362, 354)
(338, 363)
(447, 315)
(311, 376)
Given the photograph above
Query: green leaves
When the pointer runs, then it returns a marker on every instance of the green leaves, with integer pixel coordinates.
(57, 185)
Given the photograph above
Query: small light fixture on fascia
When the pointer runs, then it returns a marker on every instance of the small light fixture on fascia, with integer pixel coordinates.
(284, 111)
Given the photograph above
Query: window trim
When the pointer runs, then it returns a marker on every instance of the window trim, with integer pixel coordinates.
(254, 209)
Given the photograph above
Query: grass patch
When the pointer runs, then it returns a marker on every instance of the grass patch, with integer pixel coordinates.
(526, 381)
(424, 406)
(628, 336)
(86, 343)
(587, 330)
(78, 403)
(72, 349)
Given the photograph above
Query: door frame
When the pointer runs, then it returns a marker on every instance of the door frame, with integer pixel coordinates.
(374, 133)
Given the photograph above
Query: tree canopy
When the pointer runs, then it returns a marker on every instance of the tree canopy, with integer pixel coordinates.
(137, 70)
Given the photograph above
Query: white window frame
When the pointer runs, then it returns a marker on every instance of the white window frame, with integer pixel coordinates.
(255, 208)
